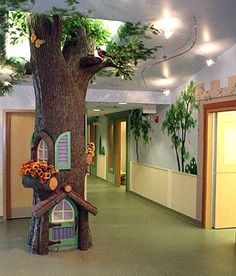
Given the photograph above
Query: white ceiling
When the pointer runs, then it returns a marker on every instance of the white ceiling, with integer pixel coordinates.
(216, 25)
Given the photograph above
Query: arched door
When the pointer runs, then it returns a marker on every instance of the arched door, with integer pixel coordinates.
(64, 216)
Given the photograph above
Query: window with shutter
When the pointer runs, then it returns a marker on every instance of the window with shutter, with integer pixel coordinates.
(63, 151)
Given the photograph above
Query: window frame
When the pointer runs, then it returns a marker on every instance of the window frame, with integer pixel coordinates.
(42, 147)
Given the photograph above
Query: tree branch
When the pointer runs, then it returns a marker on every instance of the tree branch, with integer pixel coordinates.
(92, 70)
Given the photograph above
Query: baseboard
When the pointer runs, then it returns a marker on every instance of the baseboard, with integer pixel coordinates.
(171, 211)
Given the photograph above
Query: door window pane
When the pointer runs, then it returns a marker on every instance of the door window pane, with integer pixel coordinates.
(63, 212)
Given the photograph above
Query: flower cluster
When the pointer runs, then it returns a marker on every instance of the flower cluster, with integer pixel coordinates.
(91, 148)
(39, 169)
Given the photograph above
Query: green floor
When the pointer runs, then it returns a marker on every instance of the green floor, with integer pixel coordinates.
(131, 237)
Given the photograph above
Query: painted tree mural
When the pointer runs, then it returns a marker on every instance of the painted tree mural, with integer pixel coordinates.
(62, 64)
(178, 121)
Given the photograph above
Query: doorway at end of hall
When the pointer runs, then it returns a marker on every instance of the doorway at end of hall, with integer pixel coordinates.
(117, 159)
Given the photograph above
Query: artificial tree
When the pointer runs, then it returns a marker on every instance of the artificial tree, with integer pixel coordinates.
(179, 121)
(140, 128)
(62, 64)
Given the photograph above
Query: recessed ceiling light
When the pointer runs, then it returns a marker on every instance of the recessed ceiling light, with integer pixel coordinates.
(166, 92)
(123, 103)
(97, 110)
(210, 62)
(167, 25)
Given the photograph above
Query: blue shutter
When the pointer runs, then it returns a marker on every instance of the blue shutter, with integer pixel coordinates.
(63, 151)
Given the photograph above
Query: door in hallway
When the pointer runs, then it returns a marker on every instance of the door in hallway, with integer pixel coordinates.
(225, 190)
(20, 126)
(120, 152)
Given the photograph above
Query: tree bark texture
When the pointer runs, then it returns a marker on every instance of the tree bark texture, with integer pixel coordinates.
(60, 88)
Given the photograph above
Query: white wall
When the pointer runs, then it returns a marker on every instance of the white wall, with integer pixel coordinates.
(159, 152)
(101, 166)
(175, 190)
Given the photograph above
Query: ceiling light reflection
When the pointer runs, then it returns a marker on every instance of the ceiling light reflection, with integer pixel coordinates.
(164, 82)
(206, 35)
(167, 25)
(166, 92)
(165, 70)
(210, 48)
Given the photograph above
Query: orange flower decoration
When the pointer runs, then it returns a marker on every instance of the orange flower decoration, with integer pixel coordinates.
(41, 170)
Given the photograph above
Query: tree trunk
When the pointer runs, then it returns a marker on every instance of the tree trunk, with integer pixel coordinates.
(177, 158)
(137, 150)
(2, 38)
(60, 107)
(182, 157)
(30, 182)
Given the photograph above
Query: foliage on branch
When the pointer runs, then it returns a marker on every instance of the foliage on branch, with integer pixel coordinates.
(179, 121)
(130, 49)
(94, 29)
(14, 4)
(17, 68)
(123, 53)
(17, 26)
(129, 29)
(140, 128)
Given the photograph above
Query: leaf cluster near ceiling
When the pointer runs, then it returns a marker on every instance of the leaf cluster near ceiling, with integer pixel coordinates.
(124, 51)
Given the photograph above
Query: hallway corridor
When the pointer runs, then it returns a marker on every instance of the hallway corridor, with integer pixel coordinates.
(131, 237)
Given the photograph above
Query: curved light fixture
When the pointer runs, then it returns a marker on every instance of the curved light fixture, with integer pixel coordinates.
(166, 58)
